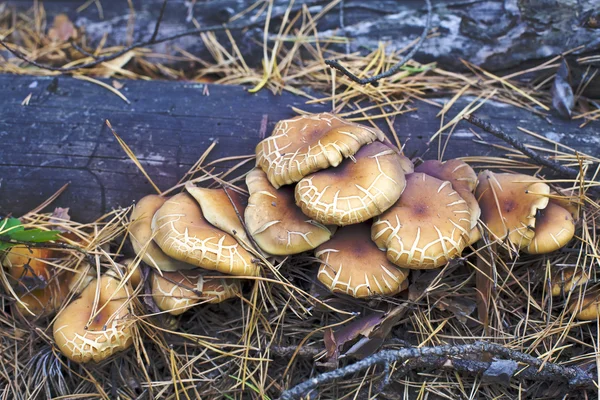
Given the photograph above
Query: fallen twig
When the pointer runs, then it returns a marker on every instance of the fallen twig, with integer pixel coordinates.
(535, 369)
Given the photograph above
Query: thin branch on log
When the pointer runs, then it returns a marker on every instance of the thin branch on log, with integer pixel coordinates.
(534, 368)
(543, 161)
(159, 20)
(373, 80)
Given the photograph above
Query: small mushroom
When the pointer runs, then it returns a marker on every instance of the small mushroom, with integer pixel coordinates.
(184, 234)
(427, 227)
(275, 222)
(586, 308)
(140, 232)
(218, 209)
(353, 265)
(95, 325)
(554, 228)
(309, 143)
(566, 279)
(509, 203)
(40, 287)
(177, 292)
(462, 177)
(359, 189)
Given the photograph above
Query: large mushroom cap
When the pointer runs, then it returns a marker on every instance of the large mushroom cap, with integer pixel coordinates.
(462, 177)
(353, 265)
(140, 231)
(183, 233)
(427, 227)
(108, 331)
(177, 292)
(554, 228)
(586, 308)
(218, 209)
(274, 221)
(306, 144)
(357, 190)
(509, 203)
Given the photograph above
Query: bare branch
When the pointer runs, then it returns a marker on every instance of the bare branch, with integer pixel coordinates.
(364, 81)
(533, 368)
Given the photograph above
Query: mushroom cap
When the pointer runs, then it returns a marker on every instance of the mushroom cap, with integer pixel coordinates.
(134, 271)
(83, 275)
(588, 309)
(554, 228)
(140, 232)
(218, 210)
(108, 331)
(359, 189)
(353, 265)
(22, 261)
(275, 222)
(566, 279)
(185, 235)
(427, 227)
(509, 203)
(462, 177)
(309, 143)
(569, 203)
(177, 292)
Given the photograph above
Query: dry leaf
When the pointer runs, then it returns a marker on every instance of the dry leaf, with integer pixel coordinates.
(460, 307)
(563, 100)
(62, 29)
(117, 85)
(59, 216)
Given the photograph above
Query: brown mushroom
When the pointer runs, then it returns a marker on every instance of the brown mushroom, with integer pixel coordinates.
(274, 221)
(357, 190)
(462, 177)
(586, 308)
(184, 234)
(509, 203)
(95, 325)
(566, 279)
(140, 232)
(554, 228)
(427, 227)
(218, 209)
(309, 143)
(353, 265)
(177, 292)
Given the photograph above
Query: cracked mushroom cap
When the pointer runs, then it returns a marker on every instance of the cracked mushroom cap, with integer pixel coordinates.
(554, 228)
(88, 330)
(509, 203)
(462, 177)
(141, 236)
(359, 189)
(218, 209)
(353, 265)
(185, 235)
(566, 279)
(309, 143)
(275, 222)
(427, 227)
(177, 292)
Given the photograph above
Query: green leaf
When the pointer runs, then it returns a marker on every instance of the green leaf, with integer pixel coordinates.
(34, 235)
(10, 225)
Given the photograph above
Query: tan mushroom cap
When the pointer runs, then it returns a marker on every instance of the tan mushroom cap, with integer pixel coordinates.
(357, 190)
(587, 308)
(462, 177)
(218, 210)
(569, 203)
(185, 235)
(83, 275)
(275, 222)
(24, 261)
(309, 143)
(353, 265)
(554, 228)
(109, 329)
(509, 203)
(141, 236)
(566, 279)
(177, 292)
(427, 227)
(133, 271)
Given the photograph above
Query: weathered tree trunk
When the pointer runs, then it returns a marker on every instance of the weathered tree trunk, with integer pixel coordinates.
(495, 34)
